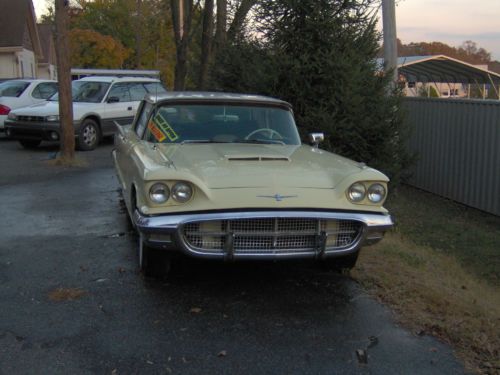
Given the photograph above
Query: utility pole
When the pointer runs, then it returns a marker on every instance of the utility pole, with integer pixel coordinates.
(390, 42)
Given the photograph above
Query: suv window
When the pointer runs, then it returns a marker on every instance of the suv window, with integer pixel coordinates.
(155, 87)
(120, 91)
(44, 90)
(137, 91)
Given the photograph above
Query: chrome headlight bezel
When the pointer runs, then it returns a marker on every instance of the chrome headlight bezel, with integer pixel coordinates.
(182, 192)
(367, 192)
(159, 193)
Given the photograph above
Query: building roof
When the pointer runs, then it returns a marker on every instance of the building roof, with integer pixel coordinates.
(441, 68)
(14, 23)
(47, 43)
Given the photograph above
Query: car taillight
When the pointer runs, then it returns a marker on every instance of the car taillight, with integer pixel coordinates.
(4, 110)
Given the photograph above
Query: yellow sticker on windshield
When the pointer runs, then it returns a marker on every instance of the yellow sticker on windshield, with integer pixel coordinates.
(160, 137)
(165, 127)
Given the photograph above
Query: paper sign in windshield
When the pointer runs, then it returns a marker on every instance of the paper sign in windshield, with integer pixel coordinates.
(161, 129)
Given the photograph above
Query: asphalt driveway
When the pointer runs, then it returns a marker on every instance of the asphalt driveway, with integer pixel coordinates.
(73, 302)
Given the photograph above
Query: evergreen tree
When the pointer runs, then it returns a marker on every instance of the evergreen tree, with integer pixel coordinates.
(320, 56)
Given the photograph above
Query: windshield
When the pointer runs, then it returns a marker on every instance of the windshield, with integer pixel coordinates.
(13, 89)
(86, 91)
(222, 123)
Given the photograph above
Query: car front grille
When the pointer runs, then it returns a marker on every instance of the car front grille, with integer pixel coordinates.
(30, 118)
(271, 235)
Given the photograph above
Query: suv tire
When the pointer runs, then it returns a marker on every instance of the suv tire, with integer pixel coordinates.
(88, 136)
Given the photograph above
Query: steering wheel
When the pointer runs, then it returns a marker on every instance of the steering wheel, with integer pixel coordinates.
(271, 132)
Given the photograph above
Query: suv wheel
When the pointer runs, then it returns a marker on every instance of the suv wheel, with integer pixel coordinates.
(88, 136)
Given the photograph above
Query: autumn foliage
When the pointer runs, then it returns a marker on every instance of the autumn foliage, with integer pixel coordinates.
(90, 49)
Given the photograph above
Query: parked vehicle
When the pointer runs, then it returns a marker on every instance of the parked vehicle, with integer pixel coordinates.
(99, 104)
(17, 93)
(225, 176)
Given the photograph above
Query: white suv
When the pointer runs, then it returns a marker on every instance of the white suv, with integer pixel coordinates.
(99, 104)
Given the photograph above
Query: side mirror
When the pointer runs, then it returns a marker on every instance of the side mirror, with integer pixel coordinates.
(316, 138)
(113, 99)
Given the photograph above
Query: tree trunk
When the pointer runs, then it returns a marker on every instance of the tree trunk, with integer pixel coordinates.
(239, 18)
(220, 29)
(182, 11)
(138, 34)
(64, 79)
(206, 43)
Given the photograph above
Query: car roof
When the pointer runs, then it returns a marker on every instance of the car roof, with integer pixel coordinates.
(34, 80)
(112, 79)
(205, 96)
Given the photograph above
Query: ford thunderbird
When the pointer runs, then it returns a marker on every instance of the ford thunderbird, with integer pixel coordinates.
(225, 176)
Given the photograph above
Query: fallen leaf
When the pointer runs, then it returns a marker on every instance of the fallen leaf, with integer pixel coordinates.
(362, 356)
(222, 353)
(195, 310)
(66, 294)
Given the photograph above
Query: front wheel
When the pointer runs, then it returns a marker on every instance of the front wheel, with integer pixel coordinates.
(29, 143)
(88, 136)
(153, 262)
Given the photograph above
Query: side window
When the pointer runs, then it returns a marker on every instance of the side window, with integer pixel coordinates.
(121, 92)
(142, 118)
(44, 90)
(155, 88)
(137, 91)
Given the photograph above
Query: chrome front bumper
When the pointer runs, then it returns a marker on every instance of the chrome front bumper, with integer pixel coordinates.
(166, 232)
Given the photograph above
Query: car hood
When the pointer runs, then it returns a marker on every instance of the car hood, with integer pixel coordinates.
(248, 165)
(48, 108)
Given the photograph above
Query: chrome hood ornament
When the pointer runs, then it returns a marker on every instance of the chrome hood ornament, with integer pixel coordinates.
(277, 196)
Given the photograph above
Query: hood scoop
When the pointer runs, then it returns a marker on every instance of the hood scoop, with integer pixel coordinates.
(256, 158)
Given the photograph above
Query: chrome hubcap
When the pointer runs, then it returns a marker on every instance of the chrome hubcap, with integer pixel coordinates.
(89, 135)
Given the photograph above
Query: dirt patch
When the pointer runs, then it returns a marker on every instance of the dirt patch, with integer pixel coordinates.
(66, 294)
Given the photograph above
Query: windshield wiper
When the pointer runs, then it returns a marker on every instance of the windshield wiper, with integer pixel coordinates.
(262, 141)
(201, 141)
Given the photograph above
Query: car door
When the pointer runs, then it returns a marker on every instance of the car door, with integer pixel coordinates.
(126, 140)
(118, 108)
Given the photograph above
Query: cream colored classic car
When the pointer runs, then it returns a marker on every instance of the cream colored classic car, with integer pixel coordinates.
(225, 176)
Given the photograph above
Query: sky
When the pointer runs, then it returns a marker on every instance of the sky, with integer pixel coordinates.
(448, 21)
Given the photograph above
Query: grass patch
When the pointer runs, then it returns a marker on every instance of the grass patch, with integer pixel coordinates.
(438, 279)
(471, 236)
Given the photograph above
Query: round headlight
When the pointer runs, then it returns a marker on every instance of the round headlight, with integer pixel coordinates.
(357, 192)
(182, 192)
(376, 193)
(12, 116)
(159, 193)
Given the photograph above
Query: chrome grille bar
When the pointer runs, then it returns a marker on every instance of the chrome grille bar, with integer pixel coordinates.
(271, 235)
